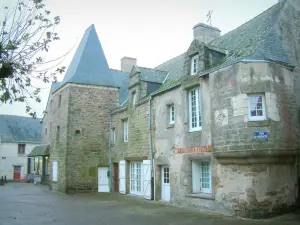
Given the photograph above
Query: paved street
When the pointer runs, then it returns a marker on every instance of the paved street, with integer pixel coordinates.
(35, 204)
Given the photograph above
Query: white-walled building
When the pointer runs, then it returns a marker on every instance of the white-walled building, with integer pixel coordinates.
(18, 136)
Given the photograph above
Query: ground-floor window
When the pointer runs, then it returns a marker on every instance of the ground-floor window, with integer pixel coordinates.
(136, 178)
(201, 176)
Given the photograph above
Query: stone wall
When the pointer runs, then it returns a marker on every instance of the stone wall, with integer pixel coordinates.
(257, 176)
(88, 133)
(58, 116)
(137, 147)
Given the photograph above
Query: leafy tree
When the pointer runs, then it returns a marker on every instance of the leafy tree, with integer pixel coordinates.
(26, 31)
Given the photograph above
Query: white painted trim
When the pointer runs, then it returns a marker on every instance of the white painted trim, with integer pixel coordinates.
(198, 108)
(192, 64)
(170, 114)
(257, 118)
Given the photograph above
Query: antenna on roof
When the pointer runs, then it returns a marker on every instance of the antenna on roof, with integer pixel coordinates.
(209, 16)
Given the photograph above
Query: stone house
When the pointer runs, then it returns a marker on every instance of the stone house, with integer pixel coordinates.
(18, 136)
(215, 128)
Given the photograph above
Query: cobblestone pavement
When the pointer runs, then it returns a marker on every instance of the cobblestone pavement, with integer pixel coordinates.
(34, 204)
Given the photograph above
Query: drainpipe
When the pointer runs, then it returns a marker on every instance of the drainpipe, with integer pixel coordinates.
(109, 154)
(151, 150)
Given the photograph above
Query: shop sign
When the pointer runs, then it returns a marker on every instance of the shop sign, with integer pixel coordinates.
(207, 148)
(260, 135)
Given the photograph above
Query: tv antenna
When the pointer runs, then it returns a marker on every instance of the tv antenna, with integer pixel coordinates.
(209, 16)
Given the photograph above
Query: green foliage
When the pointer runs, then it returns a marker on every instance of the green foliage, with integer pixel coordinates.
(26, 31)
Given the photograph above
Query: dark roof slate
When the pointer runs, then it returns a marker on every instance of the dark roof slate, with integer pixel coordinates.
(122, 81)
(151, 75)
(256, 39)
(19, 129)
(89, 65)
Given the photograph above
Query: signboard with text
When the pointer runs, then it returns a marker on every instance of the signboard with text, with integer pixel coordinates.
(207, 148)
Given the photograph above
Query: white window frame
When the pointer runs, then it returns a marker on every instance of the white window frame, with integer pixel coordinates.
(197, 177)
(171, 114)
(194, 64)
(136, 167)
(257, 118)
(113, 135)
(198, 110)
(125, 130)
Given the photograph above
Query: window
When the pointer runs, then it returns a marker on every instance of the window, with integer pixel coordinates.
(46, 131)
(57, 133)
(125, 127)
(113, 135)
(194, 65)
(136, 178)
(21, 148)
(195, 116)
(133, 98)
(172, 114)
(54, 171)
(59, 100)
(201, 177)
(257, 108)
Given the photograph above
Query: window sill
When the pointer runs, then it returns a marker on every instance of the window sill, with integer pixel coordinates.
(258, 123)
(207, 196)
(171, 125)
(192, 131)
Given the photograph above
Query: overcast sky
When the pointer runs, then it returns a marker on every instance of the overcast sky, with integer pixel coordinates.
(151, 31)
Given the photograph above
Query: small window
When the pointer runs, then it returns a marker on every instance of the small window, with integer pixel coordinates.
(59, 100)
(195, 115)
(171, 114)
(201, 177)
(46, 131)
(113, 135)
(21, 148)
(57, 133)
(77, 132)
(125, 127)
(257, 108)
(194, 64)
(133, 98)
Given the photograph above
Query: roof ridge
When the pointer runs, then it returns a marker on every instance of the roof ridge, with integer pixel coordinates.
(228, 33)
(152, 69)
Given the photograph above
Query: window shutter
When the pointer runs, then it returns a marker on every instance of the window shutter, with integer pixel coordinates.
(54, 171)
(196, 176)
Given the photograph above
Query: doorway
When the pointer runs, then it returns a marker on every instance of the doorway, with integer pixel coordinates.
(116, 177)
(103, 181)
(165, 183)
(17, 172)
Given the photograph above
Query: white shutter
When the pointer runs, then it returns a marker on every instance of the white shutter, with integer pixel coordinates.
(122, 177)
(196, 176)
(54, 171)
(147, 179)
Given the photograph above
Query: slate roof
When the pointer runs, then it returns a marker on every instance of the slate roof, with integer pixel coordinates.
(19, 129)
(256, 39)
(89, 65)
(40, 150)
(151, 75)
(122, 81)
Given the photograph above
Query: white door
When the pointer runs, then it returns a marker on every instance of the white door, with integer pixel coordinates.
(103, 181)
(165, 183)
(136, 178)
(147, 179)
(122, 177)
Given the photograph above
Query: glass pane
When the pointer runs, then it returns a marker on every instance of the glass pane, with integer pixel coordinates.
(259, 112)
(253, 113)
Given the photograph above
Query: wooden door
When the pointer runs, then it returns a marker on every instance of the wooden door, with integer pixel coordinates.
(103, 181)
(116, 177)
(17, 172)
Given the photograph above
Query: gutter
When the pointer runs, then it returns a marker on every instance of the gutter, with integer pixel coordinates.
(109, 153)
(151, 152)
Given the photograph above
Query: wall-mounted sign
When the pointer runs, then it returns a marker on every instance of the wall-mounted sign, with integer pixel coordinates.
(207, 148)
(260, 135)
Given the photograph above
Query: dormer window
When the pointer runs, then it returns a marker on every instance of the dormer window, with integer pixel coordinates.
(194, 64)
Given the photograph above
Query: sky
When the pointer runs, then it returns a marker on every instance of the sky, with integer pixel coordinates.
(151, 31)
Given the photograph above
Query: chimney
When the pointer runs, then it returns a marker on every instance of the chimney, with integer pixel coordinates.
(206, 33)
(127, 63)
